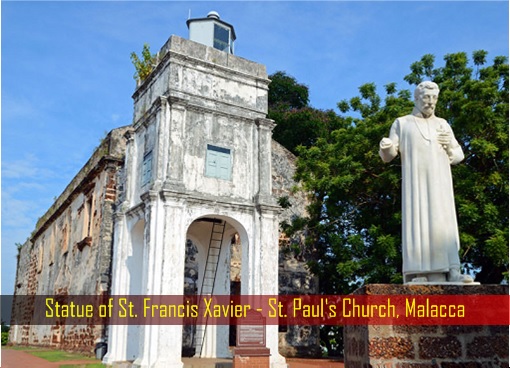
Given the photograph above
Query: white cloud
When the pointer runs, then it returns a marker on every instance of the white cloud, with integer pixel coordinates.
(18, 108)
(17, 213)
(27, 167)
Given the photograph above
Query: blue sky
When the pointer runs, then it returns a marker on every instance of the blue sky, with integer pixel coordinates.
(67, 78)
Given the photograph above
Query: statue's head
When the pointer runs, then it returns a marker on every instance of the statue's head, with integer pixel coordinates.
(425, 98)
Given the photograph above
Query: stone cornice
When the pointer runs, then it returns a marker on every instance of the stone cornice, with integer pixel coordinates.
(214, 203)
(137, 211)
(221, 108)
(173, 56)
(147, 117)
(265, 123)
(149, 197)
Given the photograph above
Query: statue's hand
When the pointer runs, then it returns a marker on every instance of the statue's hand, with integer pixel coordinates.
(444, 137)
(387, 149)
(385, 143)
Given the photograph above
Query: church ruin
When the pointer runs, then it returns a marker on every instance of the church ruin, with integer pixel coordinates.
(182, 201)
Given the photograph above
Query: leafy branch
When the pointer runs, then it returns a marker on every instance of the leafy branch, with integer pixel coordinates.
(144, 65)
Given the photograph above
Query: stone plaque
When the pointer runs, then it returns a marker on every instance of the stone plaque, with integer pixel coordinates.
(251, 332)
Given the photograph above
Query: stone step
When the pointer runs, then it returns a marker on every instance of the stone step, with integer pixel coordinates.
(207, 363)
(122, 365)
(191, 363)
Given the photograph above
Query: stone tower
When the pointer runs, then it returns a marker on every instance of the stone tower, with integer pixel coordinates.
(198, 161)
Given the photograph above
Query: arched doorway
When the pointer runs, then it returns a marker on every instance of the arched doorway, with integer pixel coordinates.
(212, 267)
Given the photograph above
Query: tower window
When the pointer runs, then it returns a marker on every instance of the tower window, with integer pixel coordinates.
(218, 162)
(221, 38)
(147, 169)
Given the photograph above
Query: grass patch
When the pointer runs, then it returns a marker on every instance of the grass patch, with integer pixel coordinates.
(58, 355)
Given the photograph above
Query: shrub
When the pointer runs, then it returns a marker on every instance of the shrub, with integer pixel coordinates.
(5, 338)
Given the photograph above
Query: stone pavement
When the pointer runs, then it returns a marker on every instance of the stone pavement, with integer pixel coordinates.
(292, 363)
(19, 359)
(309, 363)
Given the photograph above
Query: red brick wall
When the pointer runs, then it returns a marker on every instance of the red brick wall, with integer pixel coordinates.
(427, 346)
(251, 362)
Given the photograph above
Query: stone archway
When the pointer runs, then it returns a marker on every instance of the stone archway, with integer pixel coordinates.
(203, 263)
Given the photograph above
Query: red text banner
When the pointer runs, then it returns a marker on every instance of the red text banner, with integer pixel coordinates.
(276, 310)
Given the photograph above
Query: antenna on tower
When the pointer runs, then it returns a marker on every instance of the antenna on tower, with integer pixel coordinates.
(189, 13)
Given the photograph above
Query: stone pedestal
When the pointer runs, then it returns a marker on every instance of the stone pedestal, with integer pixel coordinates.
(251, 350)
(251, 358)
(407, 346)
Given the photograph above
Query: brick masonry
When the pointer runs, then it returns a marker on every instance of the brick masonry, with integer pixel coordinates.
(251, 362)
(60, 260)
(427, 346)
(251, 358)
(69, 252)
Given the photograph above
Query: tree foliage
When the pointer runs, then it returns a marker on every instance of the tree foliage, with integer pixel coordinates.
(285, 93)
(355, 214)
(145, 64)
(354, 223)
(5, 333)
(297, 123)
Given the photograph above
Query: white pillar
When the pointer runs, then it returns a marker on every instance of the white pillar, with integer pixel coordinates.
(268, 280)
(264, 128)
(161, 345)
(117, 334)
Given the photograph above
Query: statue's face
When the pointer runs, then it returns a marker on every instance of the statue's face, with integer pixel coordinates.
(426, 102)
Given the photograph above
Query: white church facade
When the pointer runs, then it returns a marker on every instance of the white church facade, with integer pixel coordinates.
(190, 178)
(200, 151)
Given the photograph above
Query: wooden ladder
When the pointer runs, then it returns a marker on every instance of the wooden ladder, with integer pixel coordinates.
(211, 269)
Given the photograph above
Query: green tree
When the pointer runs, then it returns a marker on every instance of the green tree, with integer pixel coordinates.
(355, 216)
(297, 123)
(350, 187)
(5, 333)
(302, 127)
(354, 221)
(286, 93)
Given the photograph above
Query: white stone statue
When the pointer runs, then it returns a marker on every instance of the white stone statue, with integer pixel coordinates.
(427, 148)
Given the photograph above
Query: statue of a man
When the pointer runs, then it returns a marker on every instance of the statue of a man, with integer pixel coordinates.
(427, 147)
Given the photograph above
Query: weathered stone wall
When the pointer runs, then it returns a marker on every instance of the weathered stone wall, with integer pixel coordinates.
(69, 252)
(211, 77)
(427, 346)
(294, 277)
(282, 172)
(196, 96)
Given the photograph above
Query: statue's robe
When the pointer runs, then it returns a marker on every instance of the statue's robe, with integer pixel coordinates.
(430, 240)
